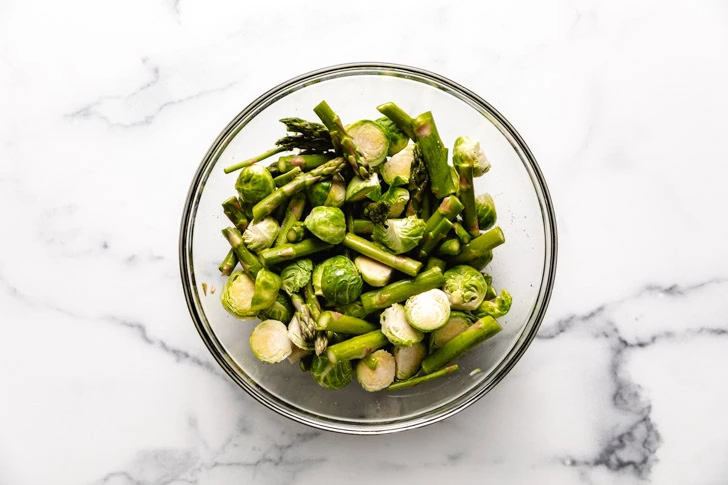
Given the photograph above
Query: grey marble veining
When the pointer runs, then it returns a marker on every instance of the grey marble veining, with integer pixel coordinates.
(108, 108)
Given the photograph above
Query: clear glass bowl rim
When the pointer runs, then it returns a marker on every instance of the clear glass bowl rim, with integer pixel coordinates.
(353, 69)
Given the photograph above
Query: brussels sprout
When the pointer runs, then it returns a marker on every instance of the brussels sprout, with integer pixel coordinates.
(330, 375)
(397, 170)
(396, 327)
(295, 335)
(408, 359)
(465, 287)
(483, 260)
(254, 184)
(373, 272)
(261, 235)
(396, 198)
(330, 192)
(397, 138)
(296, 275)
(468, 150)
(428, 311)
(485, 208)
(316, 277)
(340, 281)
(237, 295)
(495, 308)
(298, 354)
(269, 341)
(359, 189)
(267, 285)
(400, 235)
(354, 309)
(376, 371)
(327, 224)
(281, 310)
(371, 140)
(456, 324)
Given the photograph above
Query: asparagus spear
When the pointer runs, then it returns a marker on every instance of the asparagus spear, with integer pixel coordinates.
(419, 380)
(255, 159)
(402, 120)
(287, 177)
(401, 290)
(402, 263)
(467, 196)
(435, 153)
(293, 215)
(304, 162)
(479, 246)
(305, 320)
(234, 211)
(461, 233)
(434, 237)
(228, 264)
(362, 226)
(479, 331)
(340, 137)
(309, 136)
(288, 252)
(267, 205)
(340, 323)
(357, 347)
(248, 260)
(434, 262)
(449, 208)
(296, 233)
(449, 247)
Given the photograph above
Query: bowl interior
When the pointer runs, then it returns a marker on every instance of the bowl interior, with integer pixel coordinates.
(524, 265)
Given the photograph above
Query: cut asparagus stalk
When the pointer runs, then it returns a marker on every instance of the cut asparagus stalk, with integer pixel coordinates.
(340, 137)
(434, 262)
(461, 233)
(476, 333)
(340, 323)
(303, 162)
(448, 209)
(449, 247)
(362, 226)
(479, 246)
(296, 233)
(234, 211)
(435, 154)
(288, 252)
(401, 290)
(434, 237)
(248, 260)
(266, 206)
(293, 215)
(426, 378)
(402, 120)
(287, 177)
(228, 264)
(401, 263)
(467, 197)
(357, 347)
(256, 159)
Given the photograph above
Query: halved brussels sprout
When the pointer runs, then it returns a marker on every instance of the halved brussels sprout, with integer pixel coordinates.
(330, 192)
(456, 324)
(267, 285)
(495, 308)
(397, 139)
(281, 310)
(468, 150)
(373, 272)
(396, 198)
(237, 295)
(330, 375)
(465, 287)
(396, 327)
(371, 140)
(254, 184)
(327, 224)
(296, 275)
(269, 341)
(359, 189)
(408, 359)
(485, 208)
(400, 235)
(261, 235)
(376, 371)
(428, 311)
(398, 169)
(340, 281)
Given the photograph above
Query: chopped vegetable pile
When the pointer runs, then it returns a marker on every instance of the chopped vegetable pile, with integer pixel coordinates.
(362, 252)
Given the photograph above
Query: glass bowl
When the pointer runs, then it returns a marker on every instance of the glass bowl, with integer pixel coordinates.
(525, 264)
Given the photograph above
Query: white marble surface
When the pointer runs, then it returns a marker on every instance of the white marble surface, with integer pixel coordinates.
(107, 108)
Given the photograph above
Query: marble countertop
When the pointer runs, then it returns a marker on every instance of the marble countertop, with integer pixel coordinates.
(107, 109)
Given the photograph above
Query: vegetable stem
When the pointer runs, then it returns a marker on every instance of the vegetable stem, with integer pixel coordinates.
(479, 246)
(287, 252)
(419, 380)
(357, 347)
(435, 154)
(248, 260)
(479, 331)
(402, 120)
(403, 289)
(338, 322)
(256, 159)
(402, 263)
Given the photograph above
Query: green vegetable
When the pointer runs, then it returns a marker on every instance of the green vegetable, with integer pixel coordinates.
(400, 235)
(408, 359)
(476, 333)
(495, 308)
(465, 287)
(340, 281)
(267, 285)
(327, 224)
(401, 290)
(234, 211)
(360, 245)
(371, 140)
(373, 272)
(294, 212)
(420, 380)
(304, 162)
(397, 138)
(237, 295)
(281, 310)
(248, 260)
(296, 233)
(228, 264)
(456, 324)
(359, 189)
(468, 151)
(428, 311)
(269, 341)
(396, 327)
(396, 199)
(467, 197)
(254, 184)
(288, 252)
(435, 154)
(261, 234)
(397, 170)
(485, 208)
(340, 323)
(330, 192)
(376, 371)
(449, 247)
(341, 140)
(401, 119)
(296, 333)
(477, 248)
(331, 375)
(357, 347)
(287, 177)
(296, 275)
